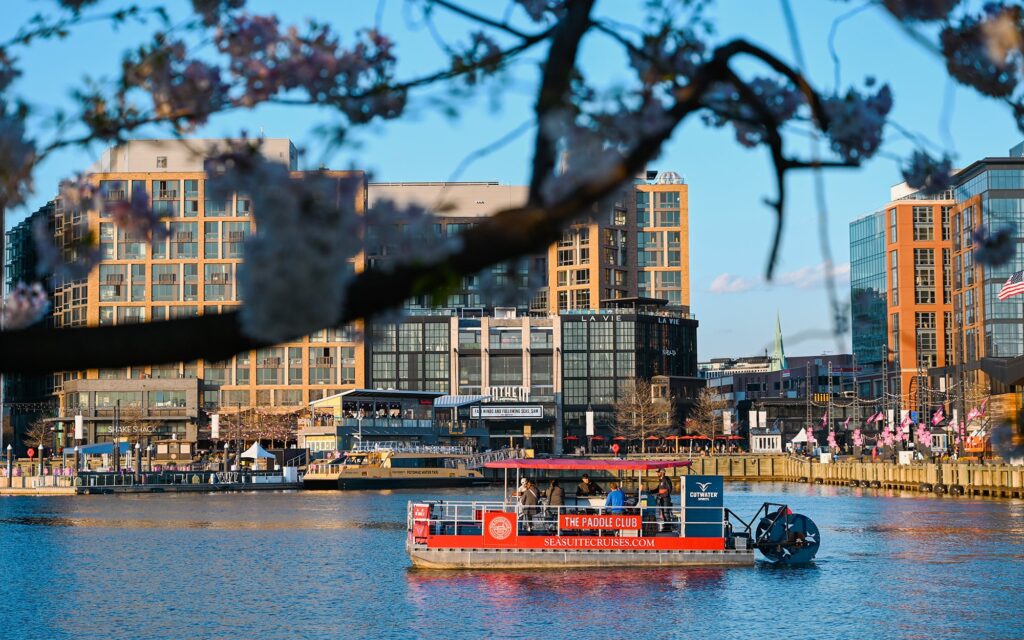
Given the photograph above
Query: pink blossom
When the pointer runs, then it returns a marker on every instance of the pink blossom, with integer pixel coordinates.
(856, 121)
(181, 89)
(17, 158)
(24, 306)
(137, 217)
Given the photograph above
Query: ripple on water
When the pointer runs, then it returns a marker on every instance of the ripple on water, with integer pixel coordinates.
(332, 564)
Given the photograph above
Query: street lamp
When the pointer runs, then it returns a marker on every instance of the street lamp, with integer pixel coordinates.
(76, 459)
(138, 460)
(149, 457)
(9, 453)
(226, 457)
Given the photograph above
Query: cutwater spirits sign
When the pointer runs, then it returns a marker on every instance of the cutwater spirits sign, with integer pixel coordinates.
(703, 502)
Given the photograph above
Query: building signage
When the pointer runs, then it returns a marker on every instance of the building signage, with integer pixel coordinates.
(716, 543)
(498, 412)
(594, 521)
(703, 502)
(510, 393)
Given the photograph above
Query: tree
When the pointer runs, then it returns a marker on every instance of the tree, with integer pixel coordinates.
(223, 59)
(640, 414)
(706, 416)
(37, 435)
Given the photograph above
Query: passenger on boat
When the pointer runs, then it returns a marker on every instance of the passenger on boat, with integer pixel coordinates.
(664, 499)
(588, 488)
(556, 498)
(528, 500)
(616, 499)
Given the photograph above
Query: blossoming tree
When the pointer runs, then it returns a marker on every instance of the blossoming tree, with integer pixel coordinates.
(226, 58)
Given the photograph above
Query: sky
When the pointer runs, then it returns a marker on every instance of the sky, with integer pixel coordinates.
(730, 226)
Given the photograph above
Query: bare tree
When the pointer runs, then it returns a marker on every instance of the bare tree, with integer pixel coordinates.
(37, 435)
(706, 416)
(639, 414)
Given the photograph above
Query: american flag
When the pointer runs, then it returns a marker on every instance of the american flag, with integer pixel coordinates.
(1014, 286)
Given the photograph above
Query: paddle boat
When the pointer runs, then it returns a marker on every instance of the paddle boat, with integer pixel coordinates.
(697, 530)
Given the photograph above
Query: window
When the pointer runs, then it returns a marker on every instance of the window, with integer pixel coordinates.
(924, 223)
(217, 282)
(410, 337)
(242, 369)
(581, 299)
(924, 276)
(166, 399)
(113, 287)
(233, 241)
(506, 338)
(895, 329)
(469, 375)
(892, 225)
(348, 365)
(217, 208)
(165, 282)
(161, 162)
(469, 338)
(894, 285)
(184, 240)
(322, 365)
(506, 370)
(945, 222)
(541, 338)
(946, 277)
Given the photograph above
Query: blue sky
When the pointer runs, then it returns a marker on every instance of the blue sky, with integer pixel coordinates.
(730, 226)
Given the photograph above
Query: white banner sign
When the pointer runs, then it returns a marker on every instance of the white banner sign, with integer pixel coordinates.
(498, 412)
(215, 426)
(590, 423)
(508, 393)
(79, 428)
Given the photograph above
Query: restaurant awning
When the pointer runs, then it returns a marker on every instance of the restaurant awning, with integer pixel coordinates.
(100, 448)
(452, 402)
(568, 464)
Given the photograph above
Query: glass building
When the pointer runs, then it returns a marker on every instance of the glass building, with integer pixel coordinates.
(868, 288)
(989, 193)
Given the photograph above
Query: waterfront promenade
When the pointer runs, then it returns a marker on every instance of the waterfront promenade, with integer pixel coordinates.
(93, 483)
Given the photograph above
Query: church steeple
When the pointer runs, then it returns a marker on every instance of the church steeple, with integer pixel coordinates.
(779, 352)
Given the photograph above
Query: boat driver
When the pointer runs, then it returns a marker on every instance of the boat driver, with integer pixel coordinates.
(587, 488)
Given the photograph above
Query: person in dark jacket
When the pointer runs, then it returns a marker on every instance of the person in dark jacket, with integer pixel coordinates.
(528, 500)
(587, 488)
(556, 498)
(664, 498)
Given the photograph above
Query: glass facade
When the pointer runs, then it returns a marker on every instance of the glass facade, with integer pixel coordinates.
(868, 288)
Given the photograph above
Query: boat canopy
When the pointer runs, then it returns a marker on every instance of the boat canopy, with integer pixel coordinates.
(585, 465)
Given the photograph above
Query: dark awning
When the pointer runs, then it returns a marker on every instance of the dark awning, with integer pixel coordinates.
(1009, 371)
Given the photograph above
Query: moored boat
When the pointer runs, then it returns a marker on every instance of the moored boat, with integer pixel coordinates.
(696, 529)
(398, 466)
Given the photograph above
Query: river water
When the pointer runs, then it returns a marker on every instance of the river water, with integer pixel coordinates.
(333, 565)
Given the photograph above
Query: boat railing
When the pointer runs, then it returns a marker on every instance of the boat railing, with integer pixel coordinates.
(404, 447)
(467, 518)
(478, 460)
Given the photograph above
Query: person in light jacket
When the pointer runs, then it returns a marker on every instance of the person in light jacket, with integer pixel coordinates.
(528, 500)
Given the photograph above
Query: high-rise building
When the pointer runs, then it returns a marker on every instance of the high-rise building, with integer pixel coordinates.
(191, 272)
(919, 286)
(25, 397)
(868, 289)
(990, 194)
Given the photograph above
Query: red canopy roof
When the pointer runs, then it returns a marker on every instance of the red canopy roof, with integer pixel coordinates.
(583, 464)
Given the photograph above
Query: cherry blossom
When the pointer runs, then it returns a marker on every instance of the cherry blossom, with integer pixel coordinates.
(136, 216)
(972, 60)
(182, 89)
(994, 248)
(923, 10)
(285, 292)
(856, 121)
(212, 10)
(482, 52)
(780, 98)
(17, 158)
(24, 306)
(927, 174)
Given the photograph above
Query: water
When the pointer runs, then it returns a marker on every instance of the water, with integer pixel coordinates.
(331, 565)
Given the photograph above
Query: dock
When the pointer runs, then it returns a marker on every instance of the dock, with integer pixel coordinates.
(99, 483)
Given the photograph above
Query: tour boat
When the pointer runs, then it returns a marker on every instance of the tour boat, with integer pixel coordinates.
(392, 465)
(696, 530)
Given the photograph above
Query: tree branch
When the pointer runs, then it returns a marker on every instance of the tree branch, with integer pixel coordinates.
(554, 88)
(505, 236)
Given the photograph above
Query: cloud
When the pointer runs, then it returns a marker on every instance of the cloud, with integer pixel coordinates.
(810, 277)
(726, 283)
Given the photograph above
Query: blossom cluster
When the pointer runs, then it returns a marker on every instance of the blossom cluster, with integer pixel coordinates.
(17, 157)
(24, 306)
(293, 280)
(984, 51)
(267, 61)
(929, 175)
(994, 248)
(781, 100)
(856, 121)
(182, 89)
